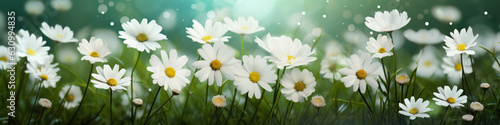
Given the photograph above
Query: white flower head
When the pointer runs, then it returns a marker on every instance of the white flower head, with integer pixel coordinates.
(168, 71)
(450, 97)
(468, 117)
(34, 7)
(361, 71)
(414, 108)
(46, 73)
(298, 85)
(44, 103)
(219, 101)
(446, 13)
(61, 5)
(428, 63)
(253, 76)
(217, 61)
(110, 78)
(94, 50)
(424, 36)
(318, 101)
(57, 33)
(7, 60)
(485, 86)
(286, 52)
(32, 48)
(211, 33)
(476, 106)
(73, 96)
(333, 61)
(137, 102)
(402, 78)
(387, 21)
(243, 26)
(380, 47)
(142, 36)
(460, 42)
(453, 67)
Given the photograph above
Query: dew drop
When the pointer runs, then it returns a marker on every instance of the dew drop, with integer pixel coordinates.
(324, 15)
(426, 23)
(303, 12)
(378, 6)
(112, 23)
(451, 23)
(327, 1)
(371, 32)
(298, 23)
(485, 12)
(149, 89)
(102, 9)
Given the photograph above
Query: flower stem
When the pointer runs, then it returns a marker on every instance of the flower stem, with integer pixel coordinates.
(484, 94)
(154, 100)
(189, 91)
(40, 118)
(206, 96)
(464, 78)
(158, 109)
(132, 85)
(36, 99)
(232, 105)
(84, 93)
(365, 101)
(258, 105)
(213, 116)
(242, 45)
(444, 115)
(111, 105)
(393, 51)
(244, 107)
(290, 106)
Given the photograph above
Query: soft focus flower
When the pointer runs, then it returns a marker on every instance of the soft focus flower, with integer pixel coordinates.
(253, 76)
(45, 103)
(32, 48)
(414, 108)
(318, 101)
(47, 74)
(424, 36)
(6, 60)
(110, 78)
(34, 7)
(211, 33)
(460, 42)
(387, 21)
(142, 36)
(67, 54)
(428, 63)
(446, 13)
(485, 86)
(468, 117)
(61, 5)
(453, 67)
(402, 78)
(137, 102)
(380, 47)
(450, 97)
(217, 60)
(360, 71)
(286, 52)
(57, 33)
(168, 71)
(298, 85)
(73, 96)
(243, 26)
(94, 50)
(333, 61)
(219, 101)
(476, 106)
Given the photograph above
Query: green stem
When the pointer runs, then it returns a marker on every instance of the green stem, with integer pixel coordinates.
(232, 105)
(244, 108)
(40, 118)
(206, 96)
(213, 116)
(473, 70)
(464, 78)
(111, 105)
(84, 93)
(55, 49)
(316, 42)
(484, 94)
(132, 85)
(393, 51)
(158, 109)
(444, 115)
(258, 105)
(365, 101)
(152, 104)
(290, 106)
(189, 91)
(36, 99)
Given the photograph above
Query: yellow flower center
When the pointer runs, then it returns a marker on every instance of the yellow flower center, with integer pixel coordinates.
(112, 82)
(94, 54)
(170, 72)
(30, 52)
(381, 50)
(59, 36)
(44, 77)
(385, 26)
(218, 100)
(332, 67)
(451, 100)
(289, 60)
(70, 98)
(361, 74)
(401, 78)
(207, 38)
(299, 86)
(141, 37)
(461, 47)
(413, 111)
(427, 63)
(3, 58)
(458, 66)
(215, 65)
(317, 100)
(245, 28)
(40, 69)
(254, 77)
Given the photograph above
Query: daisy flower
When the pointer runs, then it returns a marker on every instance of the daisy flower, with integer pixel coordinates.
(57, 33)
(219, 101)
(6, 60)
(211, 33)
(73, 96)
(34, 7)
(333, 61)
(428, 63)
(424, 36)
(387, 21)
(217, 60)
(110, 78)
(318, 101)
(298, 85)
(468, 117)
(142, 36)
(450, 97)
(453, 67)
(47, 74)
(34, 68)
(137, 102)
(402, 78)
(254, 74)
(94, 50)
(22, 33)
(414, 108)
(484, 86)
(361, 71)
(44, 103)
(286, 52)
(380, 47)
(168, 71)
(61, 5)
(32, 48)
(476, 106)
(460, 42)
(243, 26)
(446, 13)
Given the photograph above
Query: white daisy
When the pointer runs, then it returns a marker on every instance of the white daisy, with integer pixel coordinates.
(402, 78)
(94, 50)
(460, 42)
(34, 68)
(7, 60)
(219, 101)
(73, 96)
(243, 26)
(61, 5)
(333, 61)
(217, 60)
(453, 67)
(34, 7)
(142, 36)
(318, 101)
(450, 97)
(32, 48)
(414, 108)
(47, 74)
(168, 71)
(211, 33)
(387, 21)
(446, 13)
(380, 47)
(468, 117)
(22, 33)
(424, 36)
(57, 33)
(44, 103)
(137, 102)
(254, 74)
(298, 85)
(110, 78)
(361, 71)
(286, 52)
(476, 106)
(428, 63)
(484, 86)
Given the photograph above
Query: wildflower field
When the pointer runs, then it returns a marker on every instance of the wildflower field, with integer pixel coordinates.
(249, 62)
